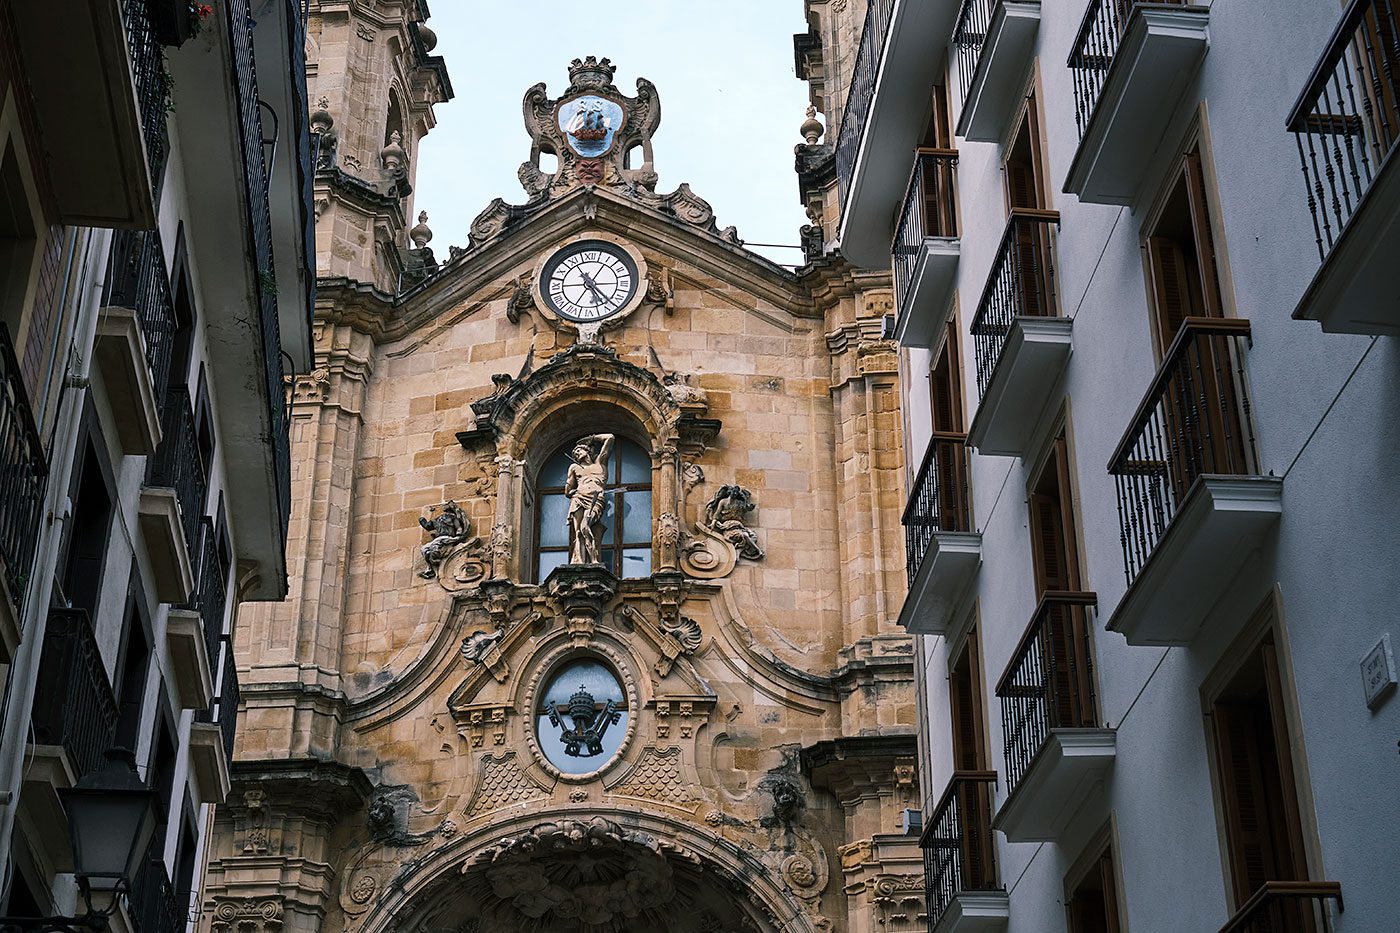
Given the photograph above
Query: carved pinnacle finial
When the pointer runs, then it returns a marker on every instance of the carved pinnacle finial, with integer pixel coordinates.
(591, 72)
(811, 128)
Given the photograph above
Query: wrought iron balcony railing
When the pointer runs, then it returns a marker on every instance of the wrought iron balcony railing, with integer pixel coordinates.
(224, 709)
(939, 500)
(930, 210)
(1194, 420)
(74, 706)
(862, 90)
(1021, 284)
(153, 902)
(1287, 907)
(1105, 22)
(1049, 683)
(959, 853)
(969, 35)
(137, 279)
(176, 463)
(24, 471)
(1347, 120)
(240, 26)
(152, 87)
(210, 596)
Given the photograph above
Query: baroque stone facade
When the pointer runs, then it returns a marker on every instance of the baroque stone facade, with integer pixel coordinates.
(711, 728)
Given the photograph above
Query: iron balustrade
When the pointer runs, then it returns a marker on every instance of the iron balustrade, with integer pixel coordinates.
(177, 465)
(224, 709)
(862, 90)
(1049, 682)
(969, 35)
(152, 87)
(1021, 284)
(74, 706)
(1194, 420)
(1101, 31)
(959, 853)
(210, 598)
(24, 471)
(245, 81)
(1287, 907)
(939, 500)
(137, 280)
(930, 210)
(1347, 120)
(152, 901)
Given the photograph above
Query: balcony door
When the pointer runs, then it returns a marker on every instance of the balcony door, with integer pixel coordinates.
(968, 709)
(1204, 419)
(1055, 560)
(1023, 172)
(1091, 890)
(949, 435)
(1254, 774)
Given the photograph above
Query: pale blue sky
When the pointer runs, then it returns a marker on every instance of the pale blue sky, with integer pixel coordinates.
(730, 102)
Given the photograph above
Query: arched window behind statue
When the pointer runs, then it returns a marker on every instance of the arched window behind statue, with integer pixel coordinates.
(624, 531)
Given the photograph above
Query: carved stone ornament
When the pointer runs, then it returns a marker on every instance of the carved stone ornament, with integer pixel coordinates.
(721, 536)
(247, 915)
(387, 818)
(596, 874)
(593, 129)
(484, 648)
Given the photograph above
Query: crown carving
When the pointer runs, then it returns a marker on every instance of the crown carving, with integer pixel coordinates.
(591, 72)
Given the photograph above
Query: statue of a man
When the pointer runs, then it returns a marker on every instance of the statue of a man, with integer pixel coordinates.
(448, 528)
(588, 477)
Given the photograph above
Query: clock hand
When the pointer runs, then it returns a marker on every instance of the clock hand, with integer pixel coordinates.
(593, 287)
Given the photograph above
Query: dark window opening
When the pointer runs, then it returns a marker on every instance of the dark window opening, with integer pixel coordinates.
(133, 667)
(966, 700)
(1022, 167)
(1054, 547)
(1181, 261)
(88, 529)
(182, 343)
(1092, 903)
(18, 242)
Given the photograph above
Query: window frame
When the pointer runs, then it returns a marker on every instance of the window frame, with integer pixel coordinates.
(614, 488)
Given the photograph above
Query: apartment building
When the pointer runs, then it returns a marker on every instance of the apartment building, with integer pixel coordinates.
(1145, 298)
(157, 291)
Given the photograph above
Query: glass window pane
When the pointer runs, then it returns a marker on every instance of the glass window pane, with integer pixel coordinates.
(555, 469)
(554, 520)
(636, 562)
(607, 558)
(636, 518)
(551, 559)
(636, 464)
(609, 511)
(589, 718)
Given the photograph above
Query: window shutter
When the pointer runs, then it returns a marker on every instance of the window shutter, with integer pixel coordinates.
(966, 747)
(1047, 544)
(1246, 818)
(1110, 892)
(1020, 185)
(1291, 863)
(1211, 303)
(1167, 266)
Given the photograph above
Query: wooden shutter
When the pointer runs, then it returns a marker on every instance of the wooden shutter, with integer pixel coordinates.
(1052, 527)
(1248, 832)
(936, 134)
(1378, 60)
(1166, 264)
(1206, 258)
(1110, 892)
(966, 702)
(1291, 862)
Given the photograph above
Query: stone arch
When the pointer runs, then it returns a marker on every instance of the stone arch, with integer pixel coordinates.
(523, 873)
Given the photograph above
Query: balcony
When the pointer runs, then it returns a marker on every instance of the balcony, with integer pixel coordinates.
(172, 501)
(191, 664)
(213, 731)
(1021, 343)
(1130, 64)
(1347, 124)
(135, 333)
(152, 903)
(73, 721)
(1055, 749)
(1191, 503)
(1287, 906)
(97, 78)
(941, 550)
(960, 864)
(992, 44)
(895, 70)
(926, 249)
(24, 471)
(223, 135)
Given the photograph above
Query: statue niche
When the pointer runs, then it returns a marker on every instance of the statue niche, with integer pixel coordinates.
(585, 486)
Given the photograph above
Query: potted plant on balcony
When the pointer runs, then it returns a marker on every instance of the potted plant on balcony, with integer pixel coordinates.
(175, 22)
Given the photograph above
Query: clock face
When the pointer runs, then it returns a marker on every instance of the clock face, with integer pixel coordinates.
(588, 281)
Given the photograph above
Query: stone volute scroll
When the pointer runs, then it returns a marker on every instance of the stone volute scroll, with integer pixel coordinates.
(721, 537)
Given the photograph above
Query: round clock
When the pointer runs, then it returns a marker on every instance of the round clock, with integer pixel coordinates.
(589, 280)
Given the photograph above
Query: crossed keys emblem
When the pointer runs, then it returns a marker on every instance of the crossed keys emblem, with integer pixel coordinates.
(590, 723)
